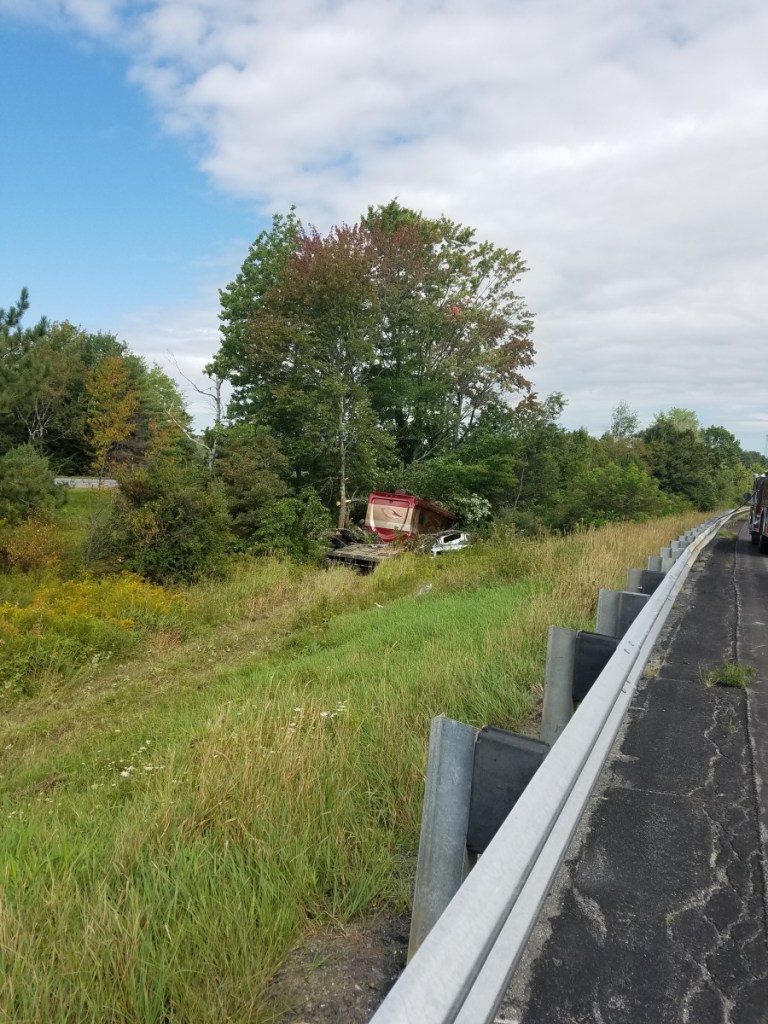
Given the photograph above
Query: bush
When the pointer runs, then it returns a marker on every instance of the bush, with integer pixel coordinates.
(613, 493)
(27, 485)
(169, 524)
(292, 526)
(33, 546)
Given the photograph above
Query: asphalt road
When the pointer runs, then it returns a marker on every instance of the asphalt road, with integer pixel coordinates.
(659, 912)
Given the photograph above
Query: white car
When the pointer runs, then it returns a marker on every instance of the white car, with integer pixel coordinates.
(451, 540)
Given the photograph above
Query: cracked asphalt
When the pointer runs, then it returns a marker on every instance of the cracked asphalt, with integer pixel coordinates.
(659, 912)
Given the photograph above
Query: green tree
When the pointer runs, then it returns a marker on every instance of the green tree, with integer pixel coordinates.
(16, 342)
(260, 273)
(293, 526)
(624, 422)
(730, 478)
(26, 485)
(611, 492)
(453, 334)
(754, 461)
(677, 458)
(389, 338)
(253, 471)
(704, 466)
(311, 345)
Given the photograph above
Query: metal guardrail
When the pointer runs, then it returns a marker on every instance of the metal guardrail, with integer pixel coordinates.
(460, 973)
(90, 483)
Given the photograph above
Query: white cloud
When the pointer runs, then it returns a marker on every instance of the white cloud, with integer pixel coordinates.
(96, 17)
(623, 147)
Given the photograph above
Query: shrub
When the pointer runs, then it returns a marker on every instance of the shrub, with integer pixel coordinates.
(169, 523)
(293, 526)
(33, 546)
(27, 485)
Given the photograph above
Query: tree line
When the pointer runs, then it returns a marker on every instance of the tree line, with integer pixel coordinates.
(391, 354)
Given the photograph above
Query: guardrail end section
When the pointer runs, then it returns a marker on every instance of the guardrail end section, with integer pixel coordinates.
(443, 861)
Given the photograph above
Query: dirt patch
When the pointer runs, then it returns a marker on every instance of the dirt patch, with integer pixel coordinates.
(340, 976)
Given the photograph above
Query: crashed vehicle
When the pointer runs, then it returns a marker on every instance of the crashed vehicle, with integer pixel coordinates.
(390, 519)
(453, 540)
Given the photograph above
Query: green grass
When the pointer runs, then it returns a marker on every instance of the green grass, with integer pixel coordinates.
(730, 673)
(173, 825)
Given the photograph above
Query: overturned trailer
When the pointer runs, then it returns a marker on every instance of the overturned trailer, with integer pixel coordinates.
(389, 520)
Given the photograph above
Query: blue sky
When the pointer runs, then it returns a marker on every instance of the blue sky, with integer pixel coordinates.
(622, 147)
(107, 218)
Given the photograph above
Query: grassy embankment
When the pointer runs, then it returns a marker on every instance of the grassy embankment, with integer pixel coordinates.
(173, 824)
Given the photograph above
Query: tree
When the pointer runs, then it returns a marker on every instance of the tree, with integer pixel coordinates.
(453, 333)
(113, 403)
(208, 442)
(730, 478)
(624, 422)
(15, 344)
(388, 338)
(677, 458)
(311, 344)
(705, 466)
(293, 526)
(611, 493)
(253, 471)
(242, 298)
(754, 461)
(26, 485)
(677, 419)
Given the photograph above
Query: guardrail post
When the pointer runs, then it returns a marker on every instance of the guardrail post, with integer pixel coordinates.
(654, 563)
(643, 581)
(443, 861)
(617, 610)
(558, 683)
(635, 580)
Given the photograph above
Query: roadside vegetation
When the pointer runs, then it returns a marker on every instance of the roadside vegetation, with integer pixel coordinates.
(174, 823)
(208, 744)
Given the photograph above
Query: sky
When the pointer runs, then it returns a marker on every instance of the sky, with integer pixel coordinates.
(620, 145)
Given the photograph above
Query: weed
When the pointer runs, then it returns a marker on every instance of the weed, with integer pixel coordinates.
(730, 673)
(65, 625)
